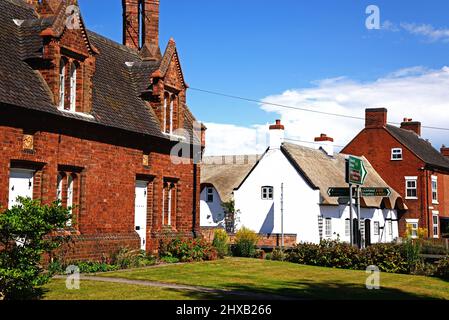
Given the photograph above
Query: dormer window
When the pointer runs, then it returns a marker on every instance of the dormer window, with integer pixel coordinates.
(62, 69)
(168, 113)
(73, 71)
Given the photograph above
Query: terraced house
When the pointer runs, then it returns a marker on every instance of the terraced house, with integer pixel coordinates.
(412, 166)
(92, 122)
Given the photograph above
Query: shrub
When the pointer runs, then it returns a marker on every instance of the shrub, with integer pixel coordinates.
(95, 267)
(387, 256)
(126, 258)
(23, 236)
(187, 250)
(170, 260)
(442, 269)
(221, 243)
(278, 255)
(245, 243)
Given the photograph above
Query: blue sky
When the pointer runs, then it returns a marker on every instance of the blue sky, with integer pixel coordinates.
(261, 48)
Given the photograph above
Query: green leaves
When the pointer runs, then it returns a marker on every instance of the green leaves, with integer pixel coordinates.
(24, 231)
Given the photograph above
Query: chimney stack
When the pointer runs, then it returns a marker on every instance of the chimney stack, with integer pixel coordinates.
(409, 124)
(376, 118)
(326, 143)
(131, 23)
(445, 151)
(276, 135)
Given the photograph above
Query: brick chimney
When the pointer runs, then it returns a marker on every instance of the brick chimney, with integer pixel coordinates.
(150, 30)
(445, 151)
(326, 143)
(131, 23)
(276, 135)
(376, 118)
(409, 124)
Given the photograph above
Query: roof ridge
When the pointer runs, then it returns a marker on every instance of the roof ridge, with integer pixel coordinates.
(115, 44)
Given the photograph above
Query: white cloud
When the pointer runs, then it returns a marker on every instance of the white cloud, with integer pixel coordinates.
(427, 31)
(416, 93)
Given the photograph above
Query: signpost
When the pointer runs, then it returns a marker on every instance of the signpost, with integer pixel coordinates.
(336, 192)
(376, 192)
(355, 171)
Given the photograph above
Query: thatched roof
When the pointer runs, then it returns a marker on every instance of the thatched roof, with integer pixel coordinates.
(324, 172)
(226, 173)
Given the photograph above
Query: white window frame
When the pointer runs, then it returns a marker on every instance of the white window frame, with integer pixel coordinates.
(376, 228)
(172, 101)
(348, 227)
(436, 214)
(164, 120)
(163, 206)
(169, 209)
(62, 69)
(390, 227)
(73, 72)
(434, 184)
(328, 227)
(209, 192)
(407, 188)
(267, 193)
(59, 187)
(397, 154)
(413, 222)
(70, 182)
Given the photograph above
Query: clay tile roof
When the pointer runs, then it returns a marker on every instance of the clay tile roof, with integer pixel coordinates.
(422, 148)
(324, 172)
(117, 87)
(226, 173)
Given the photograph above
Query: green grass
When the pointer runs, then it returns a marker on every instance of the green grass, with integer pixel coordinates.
(93, 290)
(292, 280)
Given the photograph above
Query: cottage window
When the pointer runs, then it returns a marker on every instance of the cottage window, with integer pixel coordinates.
(396, 154)
(61, 83)
(411, 186)
(73, 72)
(328, 227)
(412, 228)
(267, 193)
(210, 194)
(390, 227)
(376, 228)
(436, 225)
(435, 189)
(66, 196)
(347, 227)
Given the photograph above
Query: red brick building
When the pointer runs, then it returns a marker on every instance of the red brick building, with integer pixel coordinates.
(92, 123)
(411, 166)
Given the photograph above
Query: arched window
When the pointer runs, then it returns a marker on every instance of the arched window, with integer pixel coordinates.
(164, 112)
(73, 87)
(61, 83)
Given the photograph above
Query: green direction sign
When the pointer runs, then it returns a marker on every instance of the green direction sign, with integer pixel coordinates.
(338, 192)
(376, 192)
(355, 171)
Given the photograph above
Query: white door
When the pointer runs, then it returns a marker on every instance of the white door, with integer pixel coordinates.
(20, 185)
(140, 220)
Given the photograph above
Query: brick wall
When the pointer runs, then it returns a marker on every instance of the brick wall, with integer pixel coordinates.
(109, 162)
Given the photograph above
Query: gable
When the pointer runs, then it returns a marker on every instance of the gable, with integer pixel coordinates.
(170, 67)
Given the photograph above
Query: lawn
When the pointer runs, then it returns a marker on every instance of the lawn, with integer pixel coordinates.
(261, 276)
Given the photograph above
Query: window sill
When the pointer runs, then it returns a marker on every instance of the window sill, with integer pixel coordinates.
(411, 198)
(435, 202)
(396, 159)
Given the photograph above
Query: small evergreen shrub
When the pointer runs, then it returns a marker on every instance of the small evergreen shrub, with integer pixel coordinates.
(221, 243)
(278, 255)
(442, 269)
(245, 243)
(187, 250)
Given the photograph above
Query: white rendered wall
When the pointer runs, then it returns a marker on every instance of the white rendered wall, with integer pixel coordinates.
(211, 213)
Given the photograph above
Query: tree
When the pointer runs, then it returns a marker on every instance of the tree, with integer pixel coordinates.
(231, 215)
(24, 238)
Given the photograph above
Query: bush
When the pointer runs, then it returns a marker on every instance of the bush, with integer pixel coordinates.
(126, 258)
(221, 243)
(95, 267)
(187, 250)
(388, 257)
(245, 243)
(170, 260)
(23, 236)
(278, 255)
(442, 269)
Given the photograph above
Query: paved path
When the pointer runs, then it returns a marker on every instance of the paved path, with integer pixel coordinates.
(241, 294)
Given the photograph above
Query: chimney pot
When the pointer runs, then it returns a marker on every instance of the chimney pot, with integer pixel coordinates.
(411, 125)
(445, 151)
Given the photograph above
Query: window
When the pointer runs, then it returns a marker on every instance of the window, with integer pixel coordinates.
(411, 187)
(390, 227)
(328, 227)
(210, 194)
(347, 227)
(396, 154)
(172, 101)
(61, 83)
(412, 227)
(73, 87)
(267, 193)
(376, 228)
(436, 226)
(67, 186)
(169, 206)
(168, 203)
(59, 188)
(435, 189)
(164, 114)
(70, 197)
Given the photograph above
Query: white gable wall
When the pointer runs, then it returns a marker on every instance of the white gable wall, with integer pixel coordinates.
(211, 213)
(301, 207)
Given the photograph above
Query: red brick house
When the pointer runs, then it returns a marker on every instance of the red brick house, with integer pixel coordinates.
(411, 166)
(92, 122)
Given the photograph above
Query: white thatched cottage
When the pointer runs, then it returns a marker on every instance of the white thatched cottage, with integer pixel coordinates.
(288, 186)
